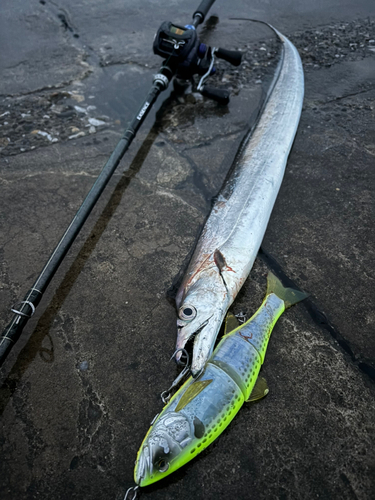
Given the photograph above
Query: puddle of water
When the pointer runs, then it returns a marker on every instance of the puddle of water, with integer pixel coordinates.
(118, 91)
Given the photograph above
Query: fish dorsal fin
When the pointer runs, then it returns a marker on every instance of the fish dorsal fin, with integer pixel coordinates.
(259, 391)
(231, 323)
(191, 392)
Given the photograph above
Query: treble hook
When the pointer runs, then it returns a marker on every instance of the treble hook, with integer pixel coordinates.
(184, 353)
(241, 317)
(166, 395)
(133, 489)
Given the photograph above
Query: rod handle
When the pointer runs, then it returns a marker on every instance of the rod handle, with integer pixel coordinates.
(232, 56)
(202, 10)
(219, 95)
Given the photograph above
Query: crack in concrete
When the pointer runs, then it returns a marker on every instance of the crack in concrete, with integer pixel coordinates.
(6, 242)
(18, 64)
(348, 95)
(319, 318)
(61, 85)
(199, 177)
(92, 416)
(93, 422)
(216, 138)
(120, 62)
(164, 192)
(64, 174)
(169, 194)
(64, 17)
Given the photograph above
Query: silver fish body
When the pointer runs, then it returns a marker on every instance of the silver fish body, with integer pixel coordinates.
(233, 233)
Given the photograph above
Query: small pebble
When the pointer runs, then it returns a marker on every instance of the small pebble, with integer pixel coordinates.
(45, 134)
(95, 122)
(83, 366)
(74, 136)
(80, 110)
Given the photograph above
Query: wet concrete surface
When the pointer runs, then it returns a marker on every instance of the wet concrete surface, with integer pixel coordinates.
(80, 388)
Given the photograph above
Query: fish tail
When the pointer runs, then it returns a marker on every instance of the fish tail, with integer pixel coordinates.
(288, 295)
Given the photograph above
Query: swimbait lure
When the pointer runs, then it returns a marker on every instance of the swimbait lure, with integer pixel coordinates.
(233, 233)
(204, 406)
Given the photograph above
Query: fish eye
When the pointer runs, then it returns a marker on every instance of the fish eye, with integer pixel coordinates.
(163, 465)
(187, 312)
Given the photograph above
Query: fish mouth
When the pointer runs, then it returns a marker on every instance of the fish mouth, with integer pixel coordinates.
(183, 336)
(143, 466)
(167, 438)
(204, 343)
(146, 472)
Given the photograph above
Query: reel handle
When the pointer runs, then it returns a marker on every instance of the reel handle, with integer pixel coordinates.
(219, 95)
(202, 10)
(232, 56)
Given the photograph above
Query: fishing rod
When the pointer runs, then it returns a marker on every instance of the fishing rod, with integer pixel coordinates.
(184, 57)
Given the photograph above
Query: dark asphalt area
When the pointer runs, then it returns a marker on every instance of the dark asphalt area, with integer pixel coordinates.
(80, 388)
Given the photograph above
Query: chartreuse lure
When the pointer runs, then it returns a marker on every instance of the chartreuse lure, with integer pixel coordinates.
(203, 407)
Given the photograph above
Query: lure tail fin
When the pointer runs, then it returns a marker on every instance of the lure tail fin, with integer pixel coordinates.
(288, 295)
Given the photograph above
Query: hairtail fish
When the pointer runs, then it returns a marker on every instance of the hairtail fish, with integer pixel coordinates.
(233, 232)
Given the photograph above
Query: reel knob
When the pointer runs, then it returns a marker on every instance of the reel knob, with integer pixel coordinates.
(232, 56)
(219, 95)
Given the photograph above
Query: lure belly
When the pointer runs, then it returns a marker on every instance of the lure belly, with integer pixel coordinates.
(233, 233)
(204, 406)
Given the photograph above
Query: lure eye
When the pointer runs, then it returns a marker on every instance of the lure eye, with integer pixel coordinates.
(163, 465)
(187, 312)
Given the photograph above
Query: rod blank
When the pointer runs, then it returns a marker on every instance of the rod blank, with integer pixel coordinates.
(203, 9)
(26, 308)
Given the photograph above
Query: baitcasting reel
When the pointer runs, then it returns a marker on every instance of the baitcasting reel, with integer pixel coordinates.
(183, 52)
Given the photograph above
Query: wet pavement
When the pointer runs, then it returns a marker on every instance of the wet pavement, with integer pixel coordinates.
(80, 388)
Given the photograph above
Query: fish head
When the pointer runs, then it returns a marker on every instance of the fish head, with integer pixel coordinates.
(201, 314)
(164, 449)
